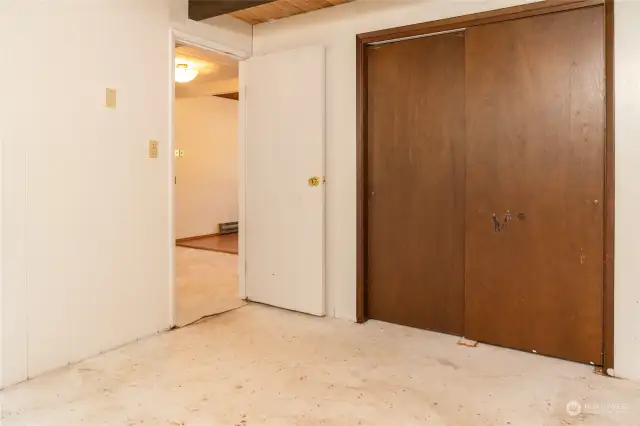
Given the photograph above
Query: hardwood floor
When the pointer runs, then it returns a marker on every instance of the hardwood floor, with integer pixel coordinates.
(220, 243)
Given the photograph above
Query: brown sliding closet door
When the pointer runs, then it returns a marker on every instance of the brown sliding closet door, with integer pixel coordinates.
(535, 160)
(415, 134)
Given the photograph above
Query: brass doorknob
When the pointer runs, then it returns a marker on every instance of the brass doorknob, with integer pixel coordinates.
(314, 181)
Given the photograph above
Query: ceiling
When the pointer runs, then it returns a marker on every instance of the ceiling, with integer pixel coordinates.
(256, 11)
(281, 9)
(217, 73)
(203, 9)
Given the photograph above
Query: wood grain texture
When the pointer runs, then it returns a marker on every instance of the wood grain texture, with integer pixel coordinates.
(233, 95)
(481, 18)
(455, 23)
(416, 182)
(220, 243)
(535, 148)
(282, 9)
(197, 237)
(204, 9)
(468, 21)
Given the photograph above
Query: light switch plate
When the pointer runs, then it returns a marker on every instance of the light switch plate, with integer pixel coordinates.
(110, 100)
(153, 149)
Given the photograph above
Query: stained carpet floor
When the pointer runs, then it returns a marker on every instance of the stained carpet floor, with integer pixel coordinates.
(262, 366)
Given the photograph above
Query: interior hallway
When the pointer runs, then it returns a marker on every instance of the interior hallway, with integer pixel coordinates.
(264, 366)
(207, 284)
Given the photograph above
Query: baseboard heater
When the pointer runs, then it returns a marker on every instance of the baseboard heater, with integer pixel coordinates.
(228, 228)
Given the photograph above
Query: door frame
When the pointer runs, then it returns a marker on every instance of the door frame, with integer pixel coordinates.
(179, 35)
(462, 22)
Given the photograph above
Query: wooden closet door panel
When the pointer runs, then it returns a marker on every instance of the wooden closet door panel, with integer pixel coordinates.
(416, 182)
(535, 155)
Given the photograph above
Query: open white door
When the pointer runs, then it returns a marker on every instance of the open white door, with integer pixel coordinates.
(284, 210)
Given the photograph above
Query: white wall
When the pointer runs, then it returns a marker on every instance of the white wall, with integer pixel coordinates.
(206, 192)
(85, 210)
(627, 236)
(85, 232)
(336, 29)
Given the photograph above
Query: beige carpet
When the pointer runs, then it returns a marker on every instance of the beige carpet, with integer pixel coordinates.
(207, 284)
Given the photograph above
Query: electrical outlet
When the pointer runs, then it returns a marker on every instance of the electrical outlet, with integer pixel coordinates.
(153, 149)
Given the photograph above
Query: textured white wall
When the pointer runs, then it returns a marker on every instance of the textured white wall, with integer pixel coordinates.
(85, 233)
(86, 210)
(206, 193)
(336, 28)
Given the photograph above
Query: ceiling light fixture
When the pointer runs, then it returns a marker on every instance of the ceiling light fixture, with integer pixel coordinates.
(184, 74)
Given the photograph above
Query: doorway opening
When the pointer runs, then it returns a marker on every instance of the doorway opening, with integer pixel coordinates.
(206, 213)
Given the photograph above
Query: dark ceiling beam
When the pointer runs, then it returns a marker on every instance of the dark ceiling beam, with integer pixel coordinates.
(203, 9)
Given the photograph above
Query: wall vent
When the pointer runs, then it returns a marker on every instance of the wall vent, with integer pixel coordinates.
(228, 228)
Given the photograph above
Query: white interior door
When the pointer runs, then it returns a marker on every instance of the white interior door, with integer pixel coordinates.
(284, 214)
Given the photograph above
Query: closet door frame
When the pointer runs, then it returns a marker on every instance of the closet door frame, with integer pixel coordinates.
(462, 22)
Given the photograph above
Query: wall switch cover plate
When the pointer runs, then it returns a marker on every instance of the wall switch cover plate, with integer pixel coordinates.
(110, 100)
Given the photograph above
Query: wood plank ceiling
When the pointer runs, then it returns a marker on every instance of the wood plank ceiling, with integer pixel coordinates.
(203, 9)
(281, 9)
(256, 11)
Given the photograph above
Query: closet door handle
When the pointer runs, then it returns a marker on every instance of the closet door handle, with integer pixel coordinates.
(499, 225)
